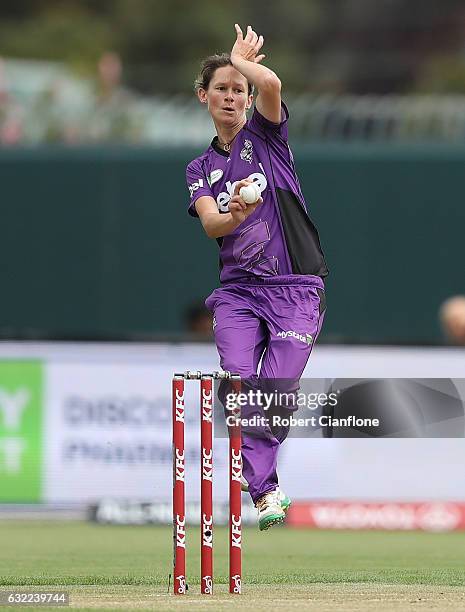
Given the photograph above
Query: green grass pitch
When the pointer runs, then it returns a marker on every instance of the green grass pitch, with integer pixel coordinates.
(125, 568)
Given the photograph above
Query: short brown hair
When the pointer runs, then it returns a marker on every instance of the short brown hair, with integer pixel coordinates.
(208, 68)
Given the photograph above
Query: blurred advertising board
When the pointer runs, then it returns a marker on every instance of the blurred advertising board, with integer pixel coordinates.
(381, 516)
(21, 434)
(109, 433)
(80, 423)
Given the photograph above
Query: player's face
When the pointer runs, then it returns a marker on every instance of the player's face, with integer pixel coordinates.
(227, 96)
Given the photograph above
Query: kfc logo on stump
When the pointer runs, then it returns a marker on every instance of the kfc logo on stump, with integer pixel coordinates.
(236, 465)
(207, 464)
(180, 469)
(236, 532)
(207, 530)
(207, 397)
(180, 531)
(179, 405)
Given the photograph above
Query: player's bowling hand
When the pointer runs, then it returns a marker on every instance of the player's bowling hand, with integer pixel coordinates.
(240, 210)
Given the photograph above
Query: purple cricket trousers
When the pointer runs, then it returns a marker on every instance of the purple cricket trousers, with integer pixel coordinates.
(249, 320)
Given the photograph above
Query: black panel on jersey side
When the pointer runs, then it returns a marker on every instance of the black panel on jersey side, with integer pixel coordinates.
(303, 243)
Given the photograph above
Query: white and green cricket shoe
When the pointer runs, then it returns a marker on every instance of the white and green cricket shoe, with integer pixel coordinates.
(284, 499)
(270, 511)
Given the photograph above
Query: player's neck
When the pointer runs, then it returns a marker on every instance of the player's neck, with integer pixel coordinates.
(226, 135)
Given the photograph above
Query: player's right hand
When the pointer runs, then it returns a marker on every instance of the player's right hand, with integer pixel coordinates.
(237, 207)
(240, 210)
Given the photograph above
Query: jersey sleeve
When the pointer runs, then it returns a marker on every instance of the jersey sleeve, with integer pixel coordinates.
(197, 184)
(268, 129)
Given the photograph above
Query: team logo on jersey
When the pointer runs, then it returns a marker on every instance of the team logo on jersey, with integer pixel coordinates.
(215, 176)
(247, 151)
(193, 188)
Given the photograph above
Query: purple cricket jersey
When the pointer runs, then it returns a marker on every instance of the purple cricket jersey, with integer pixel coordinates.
(278, 238)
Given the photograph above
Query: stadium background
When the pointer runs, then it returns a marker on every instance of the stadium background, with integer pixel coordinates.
(103, 268)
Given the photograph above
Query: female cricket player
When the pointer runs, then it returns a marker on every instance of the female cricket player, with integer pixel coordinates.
(270, 306)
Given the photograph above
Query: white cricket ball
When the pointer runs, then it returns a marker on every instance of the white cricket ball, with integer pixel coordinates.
(250, 193)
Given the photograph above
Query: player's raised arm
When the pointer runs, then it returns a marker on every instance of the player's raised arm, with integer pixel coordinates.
(246, 58)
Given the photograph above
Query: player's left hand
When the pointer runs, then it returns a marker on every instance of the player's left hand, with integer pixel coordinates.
(247, 48)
